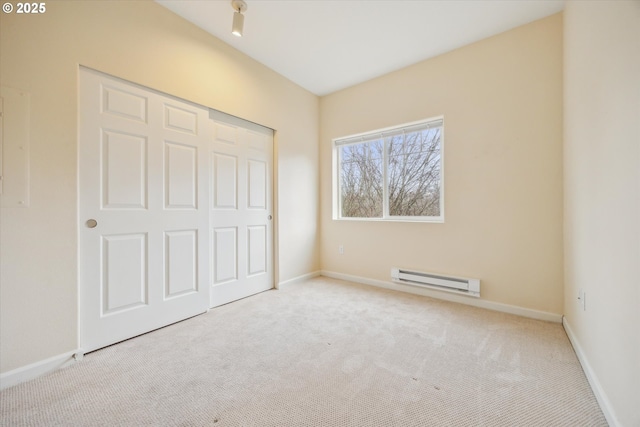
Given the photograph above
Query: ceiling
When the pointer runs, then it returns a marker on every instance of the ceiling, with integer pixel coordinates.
(328, 45)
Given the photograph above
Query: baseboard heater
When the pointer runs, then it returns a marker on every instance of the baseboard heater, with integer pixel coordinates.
(458, 285)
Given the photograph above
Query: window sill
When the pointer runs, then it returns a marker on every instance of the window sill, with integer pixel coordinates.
(434, 220)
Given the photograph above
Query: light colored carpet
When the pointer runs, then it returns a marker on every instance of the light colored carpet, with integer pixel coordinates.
(322, 353)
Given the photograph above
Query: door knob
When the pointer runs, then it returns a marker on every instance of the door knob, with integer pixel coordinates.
(269, 217)
(91, 223)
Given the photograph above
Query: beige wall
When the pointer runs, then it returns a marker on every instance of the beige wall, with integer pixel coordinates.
(502, 103)
(602, 195)
(144, 43)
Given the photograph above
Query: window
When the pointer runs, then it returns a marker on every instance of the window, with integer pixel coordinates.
(390, 174)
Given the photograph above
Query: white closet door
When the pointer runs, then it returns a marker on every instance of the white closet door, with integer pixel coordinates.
(143, 209)
(241, 157)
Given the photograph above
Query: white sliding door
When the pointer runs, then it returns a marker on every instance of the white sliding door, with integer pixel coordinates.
(241, 159)
(143, 209)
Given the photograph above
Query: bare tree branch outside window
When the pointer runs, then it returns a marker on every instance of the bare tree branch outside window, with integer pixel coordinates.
(361, 180)
(413, 175)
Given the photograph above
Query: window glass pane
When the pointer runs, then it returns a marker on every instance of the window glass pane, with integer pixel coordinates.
(414, 173)
(361, 168)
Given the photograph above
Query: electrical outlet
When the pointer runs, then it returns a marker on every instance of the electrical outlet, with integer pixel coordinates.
(582, 298)
(341, 249)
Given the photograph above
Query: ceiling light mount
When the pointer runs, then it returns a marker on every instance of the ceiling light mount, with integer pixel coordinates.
(238, 18)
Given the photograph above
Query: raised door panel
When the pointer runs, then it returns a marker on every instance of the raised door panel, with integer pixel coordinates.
(181, 176)
(225, 181)
(225, 254)
(226, 134)
(256, 141)
(180, 119)
(257, 249)
(122, 103)
(257, 179)
(124, 267)
(124, 170)
(181, 262)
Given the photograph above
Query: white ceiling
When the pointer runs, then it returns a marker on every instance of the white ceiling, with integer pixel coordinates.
(327, 45)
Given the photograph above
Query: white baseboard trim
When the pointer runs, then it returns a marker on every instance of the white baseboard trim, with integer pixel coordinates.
(298, 279)
(601, 396)
(476, 302)
(34, 370)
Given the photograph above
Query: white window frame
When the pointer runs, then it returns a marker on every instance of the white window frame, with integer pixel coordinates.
(371, 136)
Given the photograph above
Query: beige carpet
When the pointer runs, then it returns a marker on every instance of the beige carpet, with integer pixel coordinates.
(322, 353)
